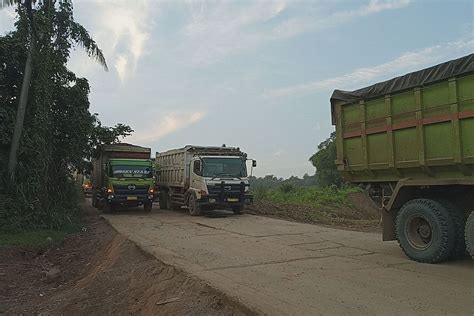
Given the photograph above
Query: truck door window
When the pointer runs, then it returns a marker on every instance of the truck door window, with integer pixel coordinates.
(197, 167)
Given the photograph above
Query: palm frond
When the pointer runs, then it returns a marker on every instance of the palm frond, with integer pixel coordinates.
(80, 35)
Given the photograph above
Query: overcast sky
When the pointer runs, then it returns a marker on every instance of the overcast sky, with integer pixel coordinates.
(254, 74)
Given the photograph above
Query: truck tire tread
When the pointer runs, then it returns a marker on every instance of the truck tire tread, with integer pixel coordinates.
(147, 207)
(194, 208)
(469, 234)
(459, 221)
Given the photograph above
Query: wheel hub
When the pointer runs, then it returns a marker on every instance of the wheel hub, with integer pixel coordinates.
(424, 231)
(419, 232)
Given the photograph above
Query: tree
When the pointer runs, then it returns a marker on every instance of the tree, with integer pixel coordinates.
(77, 33)
(58, 130)
(325, 162)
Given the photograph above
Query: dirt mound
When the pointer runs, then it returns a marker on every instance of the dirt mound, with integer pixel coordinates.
(100, 272)
(364, 205)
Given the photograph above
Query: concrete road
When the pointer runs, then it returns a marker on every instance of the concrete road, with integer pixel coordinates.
(283, 268)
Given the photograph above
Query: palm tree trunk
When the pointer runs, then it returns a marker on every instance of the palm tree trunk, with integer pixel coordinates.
(20, 115)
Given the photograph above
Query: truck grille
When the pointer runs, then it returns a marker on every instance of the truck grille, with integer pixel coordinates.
(131, 189)
(226, 189)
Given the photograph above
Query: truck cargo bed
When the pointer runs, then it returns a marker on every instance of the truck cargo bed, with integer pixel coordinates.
(418, 126)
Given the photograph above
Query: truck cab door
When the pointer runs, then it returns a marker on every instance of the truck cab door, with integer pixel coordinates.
(197, 180)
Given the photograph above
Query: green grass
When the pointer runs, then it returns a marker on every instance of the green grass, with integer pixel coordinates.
(330, 206)
(35, 240)
(308, 196)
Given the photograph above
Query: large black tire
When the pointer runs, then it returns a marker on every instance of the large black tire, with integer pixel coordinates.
(237, 209)
(425, 231)
(148, 206)
(194, 207)
(164, 201)
(108, 207)
(459, 220)
(99, 204)
(469, 234)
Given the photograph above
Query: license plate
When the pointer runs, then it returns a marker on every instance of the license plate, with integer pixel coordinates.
(131, 198)
(232, 200)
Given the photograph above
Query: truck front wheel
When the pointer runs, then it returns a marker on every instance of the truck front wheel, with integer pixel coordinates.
(194, 207)
(469, 234)
(237, 209)
(108, 207)
(425, 231)
(147, 206)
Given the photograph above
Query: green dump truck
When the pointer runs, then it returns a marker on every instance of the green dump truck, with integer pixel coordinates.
(410, 142)
(122, 175)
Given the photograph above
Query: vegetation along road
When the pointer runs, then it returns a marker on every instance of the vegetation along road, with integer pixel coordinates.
(279, 267)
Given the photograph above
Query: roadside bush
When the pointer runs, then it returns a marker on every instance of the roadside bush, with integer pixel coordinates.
(286, 188)
(311, 196)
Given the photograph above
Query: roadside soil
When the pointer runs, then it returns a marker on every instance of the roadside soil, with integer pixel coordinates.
(364, 215)
(98, 271)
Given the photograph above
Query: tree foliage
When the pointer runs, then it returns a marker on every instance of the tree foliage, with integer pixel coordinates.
(324, 160)
(59, 133)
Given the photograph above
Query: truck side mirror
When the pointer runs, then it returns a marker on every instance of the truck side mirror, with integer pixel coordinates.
(197, 167)
(254, 163)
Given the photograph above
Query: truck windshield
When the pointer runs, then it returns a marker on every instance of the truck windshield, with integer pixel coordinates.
(131, 172)
(230, 167)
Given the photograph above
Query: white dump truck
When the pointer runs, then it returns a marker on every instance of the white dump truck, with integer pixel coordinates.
(203, 179)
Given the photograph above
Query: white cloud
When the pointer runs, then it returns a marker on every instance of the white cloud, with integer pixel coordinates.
(302, 24)
(216, 31)
(121, 66)
(169, 123)
(409, 61)
(120, 28)
(7, 18)
(374, 6)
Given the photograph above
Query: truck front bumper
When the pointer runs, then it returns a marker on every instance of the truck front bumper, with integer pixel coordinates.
(226, 201)
(129, 200)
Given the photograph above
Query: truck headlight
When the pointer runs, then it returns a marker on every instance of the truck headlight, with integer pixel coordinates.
(212, 200)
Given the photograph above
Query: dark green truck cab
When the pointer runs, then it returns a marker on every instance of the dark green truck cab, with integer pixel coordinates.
(410, 142)
(123, 177)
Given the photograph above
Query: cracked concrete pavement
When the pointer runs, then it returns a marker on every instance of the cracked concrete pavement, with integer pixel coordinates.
(279, 267)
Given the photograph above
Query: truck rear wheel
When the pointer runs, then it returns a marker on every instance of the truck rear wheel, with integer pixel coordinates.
(194, 207)
(459, 221)
(425, 231)
(469, 234)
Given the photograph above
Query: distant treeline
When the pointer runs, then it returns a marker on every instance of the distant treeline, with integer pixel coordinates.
(272, 182)
(326, 175)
